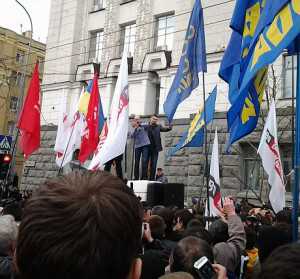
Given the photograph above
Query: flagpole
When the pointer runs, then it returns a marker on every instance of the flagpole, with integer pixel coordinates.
(297, 156)
(205, 145)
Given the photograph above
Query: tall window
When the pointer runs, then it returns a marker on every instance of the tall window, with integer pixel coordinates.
(99, 4)
(13, 103)
(288, 70)
(20, 55)
(253, 173)
(96, 45)
(165, 32)
(128, 38)
(10, 127)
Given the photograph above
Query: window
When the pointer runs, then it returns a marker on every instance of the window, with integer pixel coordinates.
(13, 103)
(288, 70)
(19, 79)
(20, 57)
(96, 46)
(253, 173)
(10, 128)
(128, 39)
(164, 34)
(99, 4)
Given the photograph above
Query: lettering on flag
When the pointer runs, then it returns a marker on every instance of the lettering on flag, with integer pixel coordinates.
(214, 192)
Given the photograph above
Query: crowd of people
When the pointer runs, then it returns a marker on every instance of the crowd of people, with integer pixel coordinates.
(91, 225)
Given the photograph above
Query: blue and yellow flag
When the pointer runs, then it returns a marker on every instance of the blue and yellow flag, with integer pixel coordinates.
(266, 28)
(195, 134)
(85, 98)
(192, 61)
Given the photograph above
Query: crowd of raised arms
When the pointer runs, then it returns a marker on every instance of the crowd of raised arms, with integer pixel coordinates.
(91, 225)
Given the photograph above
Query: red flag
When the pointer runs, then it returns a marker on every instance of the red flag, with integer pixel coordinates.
(29, 122)
(90, 138)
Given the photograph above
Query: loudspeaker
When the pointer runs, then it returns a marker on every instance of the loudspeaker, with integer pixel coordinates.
(167, 194)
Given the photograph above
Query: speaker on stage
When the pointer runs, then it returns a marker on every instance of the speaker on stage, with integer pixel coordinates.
(167, 194)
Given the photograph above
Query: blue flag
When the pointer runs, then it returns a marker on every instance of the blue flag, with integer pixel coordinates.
(193, 137)
(265, 29)
(192, 61)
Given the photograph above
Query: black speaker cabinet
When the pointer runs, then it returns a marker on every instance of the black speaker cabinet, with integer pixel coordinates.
(167, 194)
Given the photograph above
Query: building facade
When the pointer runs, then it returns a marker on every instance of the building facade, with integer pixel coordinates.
(13, 51)
(85, 35)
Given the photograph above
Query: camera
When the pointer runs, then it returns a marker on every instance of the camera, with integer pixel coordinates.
(204, 268)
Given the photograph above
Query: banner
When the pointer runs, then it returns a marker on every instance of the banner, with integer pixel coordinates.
(193, 61)
(193, 137)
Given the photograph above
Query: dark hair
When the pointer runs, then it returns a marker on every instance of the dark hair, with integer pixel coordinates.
(82, 225)
(156, 209)
(198, 232)
(157, 226)
(219, 231)
(284, 216)
(251, 238)
(271, 237)
(168, 215)
(187, 252)
(195, 223)
(283, 262)
(184, 216)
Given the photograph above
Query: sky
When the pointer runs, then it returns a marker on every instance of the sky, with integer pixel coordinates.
(12, 16)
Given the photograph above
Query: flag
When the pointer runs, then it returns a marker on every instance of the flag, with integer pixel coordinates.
(90, 136)
(84, 99)
(116, 139)
(193, 137)
(214, 182)
(68, 138)
(29, 122)
(269, 152)
(192, 61)
(265, 29)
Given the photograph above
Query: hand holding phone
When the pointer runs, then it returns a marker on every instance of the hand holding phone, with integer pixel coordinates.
(204, 268)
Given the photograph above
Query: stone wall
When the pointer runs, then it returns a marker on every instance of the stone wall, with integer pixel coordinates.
(187, 165)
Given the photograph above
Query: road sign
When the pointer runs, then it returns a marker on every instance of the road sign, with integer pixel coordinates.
(5, 143)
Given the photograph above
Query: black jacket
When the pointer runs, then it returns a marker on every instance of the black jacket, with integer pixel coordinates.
(154, 136)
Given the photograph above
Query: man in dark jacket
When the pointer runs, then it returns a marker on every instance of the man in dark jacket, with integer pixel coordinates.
(154, 130)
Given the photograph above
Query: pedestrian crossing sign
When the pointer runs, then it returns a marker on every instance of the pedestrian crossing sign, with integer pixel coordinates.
(5, 143)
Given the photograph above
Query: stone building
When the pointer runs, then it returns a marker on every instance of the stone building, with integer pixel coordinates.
(86, 34)
(13, 49)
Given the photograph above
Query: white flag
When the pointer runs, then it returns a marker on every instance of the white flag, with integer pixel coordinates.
(116, 139)
(69, 132)
(214, 181)
(269, 152)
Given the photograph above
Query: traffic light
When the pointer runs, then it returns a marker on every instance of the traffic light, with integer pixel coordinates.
(5, 160)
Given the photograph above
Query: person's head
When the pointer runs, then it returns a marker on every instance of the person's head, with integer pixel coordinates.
(8, 235)
(157, 226)
(168, 215)
(251, 238)
(136, 121)
(283, 262)
(82, 225)
(154, 120)
(271, 237)
(177, 275)
(156, 209)
(195, 223)
(199, 232)
(159, 172)
(187, 252)
(219, 231)
(284, 216)
(181, 219)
